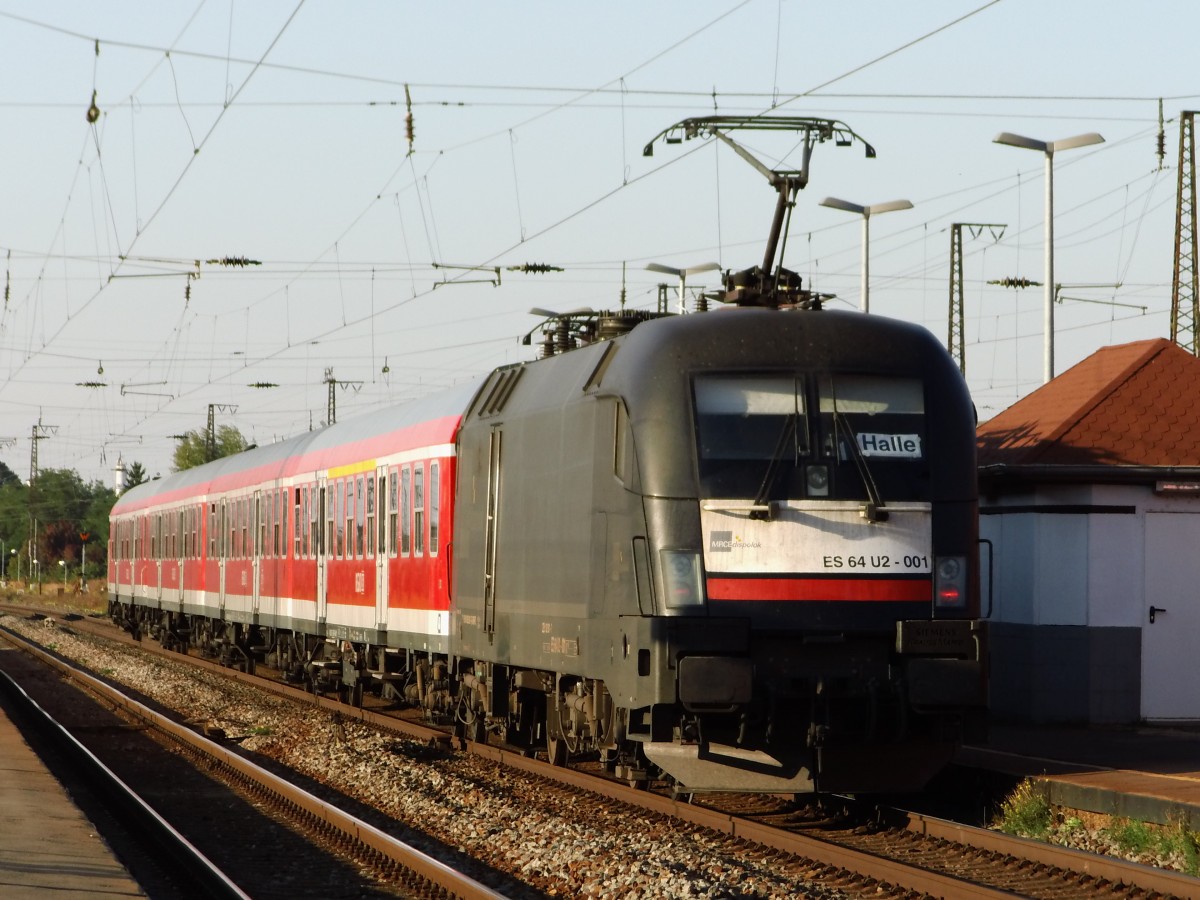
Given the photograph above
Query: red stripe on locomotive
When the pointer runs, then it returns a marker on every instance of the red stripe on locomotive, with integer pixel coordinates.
(854, 590)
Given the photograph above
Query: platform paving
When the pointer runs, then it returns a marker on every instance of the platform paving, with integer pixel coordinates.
(48, 848)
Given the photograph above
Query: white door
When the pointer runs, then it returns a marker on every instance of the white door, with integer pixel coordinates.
(260, 539)
(1171, 619)
(323, 540)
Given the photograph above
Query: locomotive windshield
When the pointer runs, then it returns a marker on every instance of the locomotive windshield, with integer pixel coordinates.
(795, 437)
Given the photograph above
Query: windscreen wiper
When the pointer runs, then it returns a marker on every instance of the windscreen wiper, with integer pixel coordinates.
(874, 510)
(761, 509)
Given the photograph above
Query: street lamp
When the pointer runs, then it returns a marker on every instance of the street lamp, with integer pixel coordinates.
(18, 556)
(682, 275)
(866, 212)
(1048, 148)
(63, 565)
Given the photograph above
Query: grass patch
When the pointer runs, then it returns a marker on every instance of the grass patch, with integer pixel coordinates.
(1025, 812)
(1170, 842)
(262, 731)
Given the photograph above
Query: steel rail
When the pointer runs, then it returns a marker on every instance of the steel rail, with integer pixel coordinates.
(1146, 878)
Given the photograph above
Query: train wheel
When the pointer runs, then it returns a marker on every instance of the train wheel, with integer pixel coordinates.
(556, 744)
(556, 750)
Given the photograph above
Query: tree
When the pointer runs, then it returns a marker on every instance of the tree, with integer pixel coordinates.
(135, 474)
(192, 448)
(7, 475)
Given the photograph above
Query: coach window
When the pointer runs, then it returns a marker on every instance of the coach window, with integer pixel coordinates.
(370, 515)
(418, 510)
(339, 523)
(329, 506)
(331, 516)
(393, 512)
(405, 512)
(308, 522)
(348, 516)
(262, 509)
(435, 512)
(268, 524)
(296, 520)
(360, 516)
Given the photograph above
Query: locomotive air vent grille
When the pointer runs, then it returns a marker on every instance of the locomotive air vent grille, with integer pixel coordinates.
(500, 390)
(597, 375)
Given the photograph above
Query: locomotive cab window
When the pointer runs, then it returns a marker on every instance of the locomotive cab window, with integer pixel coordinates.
(775, 437)
(874, 424)
(745, 423)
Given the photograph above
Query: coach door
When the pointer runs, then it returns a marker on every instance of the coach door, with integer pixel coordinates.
(323, 540)
(377, 530)
(224, 546)
(158, 552)
(260, 528)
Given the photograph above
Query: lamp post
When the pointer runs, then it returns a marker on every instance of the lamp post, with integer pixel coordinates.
(866, 213)
(4, 556)
(63, 565)
(1048, 148)
(18, 556)
(682, 275)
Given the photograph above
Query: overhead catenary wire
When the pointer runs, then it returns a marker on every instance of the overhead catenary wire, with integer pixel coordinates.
(363, 268)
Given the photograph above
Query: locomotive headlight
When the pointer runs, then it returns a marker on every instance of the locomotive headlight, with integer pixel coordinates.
(950, 581)
(818, 481)
(681, 578)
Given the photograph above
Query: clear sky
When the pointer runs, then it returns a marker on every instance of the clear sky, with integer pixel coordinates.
(274, 131)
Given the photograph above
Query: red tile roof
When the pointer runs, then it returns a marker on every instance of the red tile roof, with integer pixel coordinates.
(1133, 404)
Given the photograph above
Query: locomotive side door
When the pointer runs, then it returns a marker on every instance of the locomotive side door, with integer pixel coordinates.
(323, 540)
(377, 506)
(491, 529)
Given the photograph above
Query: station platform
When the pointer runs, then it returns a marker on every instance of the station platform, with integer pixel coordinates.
(1146, 773)
(48, 848)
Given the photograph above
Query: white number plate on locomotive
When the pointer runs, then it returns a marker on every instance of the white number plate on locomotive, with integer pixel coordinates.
(816, 538)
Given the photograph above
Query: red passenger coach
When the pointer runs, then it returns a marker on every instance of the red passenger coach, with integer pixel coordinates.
(342, 533)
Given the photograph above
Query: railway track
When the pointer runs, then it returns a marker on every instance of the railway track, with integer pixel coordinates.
(392, 867)
(905, 856)
(140, 820)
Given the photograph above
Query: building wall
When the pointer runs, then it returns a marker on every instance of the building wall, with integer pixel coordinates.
(1068, 603)
(1065, 673)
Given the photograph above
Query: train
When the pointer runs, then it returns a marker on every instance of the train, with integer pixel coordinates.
(734, 549)
(737, 549)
